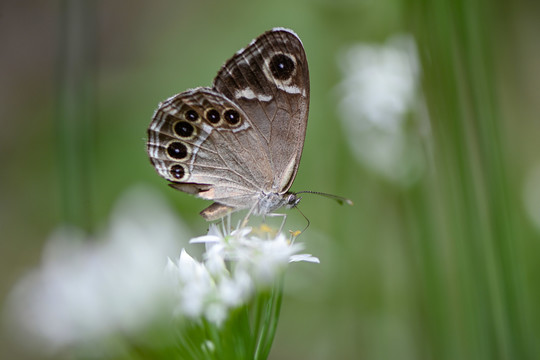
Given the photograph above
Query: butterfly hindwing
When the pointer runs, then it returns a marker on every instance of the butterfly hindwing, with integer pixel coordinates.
(200, 137)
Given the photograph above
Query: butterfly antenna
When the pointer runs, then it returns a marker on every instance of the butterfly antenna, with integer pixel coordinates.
(340, 199)
(305, 217)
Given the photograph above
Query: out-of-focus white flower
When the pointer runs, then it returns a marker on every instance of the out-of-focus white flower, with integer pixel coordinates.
(234, 266)
(378, 91)
(87, 289)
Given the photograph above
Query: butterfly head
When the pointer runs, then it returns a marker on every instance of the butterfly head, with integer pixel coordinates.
(292, 200)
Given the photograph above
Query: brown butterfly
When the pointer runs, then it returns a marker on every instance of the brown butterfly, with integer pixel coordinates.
(239, 142)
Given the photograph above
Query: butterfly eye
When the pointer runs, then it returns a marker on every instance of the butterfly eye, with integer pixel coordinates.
(212, 116)
(232, 116)
(292, 200)
(177, 150)
(177, 172)
(192, 115)
(184, 129)
(281, 66)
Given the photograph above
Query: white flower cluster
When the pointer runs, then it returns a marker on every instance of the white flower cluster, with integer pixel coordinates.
(378, 93)
(89, 289)
(233, 268)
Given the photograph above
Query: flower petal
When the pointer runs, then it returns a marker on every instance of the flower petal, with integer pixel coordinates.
(304, 257)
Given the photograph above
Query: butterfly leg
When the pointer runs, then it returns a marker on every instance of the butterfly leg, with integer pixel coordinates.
(244, 222)
(284, 216)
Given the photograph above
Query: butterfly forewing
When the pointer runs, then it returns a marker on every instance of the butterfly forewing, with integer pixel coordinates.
(269, 80)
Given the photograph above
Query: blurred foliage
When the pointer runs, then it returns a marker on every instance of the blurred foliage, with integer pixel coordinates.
(445, 268)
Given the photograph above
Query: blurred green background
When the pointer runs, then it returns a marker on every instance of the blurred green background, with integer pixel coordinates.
(441, 264)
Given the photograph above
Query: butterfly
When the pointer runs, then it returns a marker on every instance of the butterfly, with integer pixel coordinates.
(239, 142)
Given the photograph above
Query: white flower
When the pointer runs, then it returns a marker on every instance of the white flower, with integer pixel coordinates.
(87, 289)
(233, 267)
(378, 91)
(264, 256)
(192, 284)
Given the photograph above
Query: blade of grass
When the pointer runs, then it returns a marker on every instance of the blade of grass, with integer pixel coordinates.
(469, 194)
(74, 113)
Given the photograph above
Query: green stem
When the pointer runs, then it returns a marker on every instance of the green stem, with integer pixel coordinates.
(75, 109)
(271, 318)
